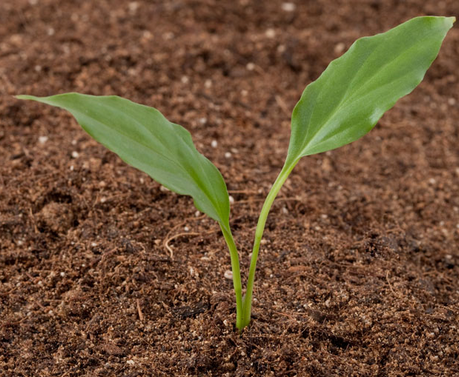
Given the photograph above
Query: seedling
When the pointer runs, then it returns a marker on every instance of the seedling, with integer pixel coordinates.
(341, 106)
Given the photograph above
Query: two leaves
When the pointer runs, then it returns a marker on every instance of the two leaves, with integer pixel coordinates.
(341, 106)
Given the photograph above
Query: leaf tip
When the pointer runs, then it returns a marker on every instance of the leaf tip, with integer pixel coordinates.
(25, 97)
(450, 21)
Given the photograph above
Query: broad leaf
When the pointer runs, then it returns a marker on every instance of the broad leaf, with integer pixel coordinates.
(145, 139)
(355, 90)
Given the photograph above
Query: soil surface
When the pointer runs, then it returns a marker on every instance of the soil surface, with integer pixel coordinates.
(105, 273)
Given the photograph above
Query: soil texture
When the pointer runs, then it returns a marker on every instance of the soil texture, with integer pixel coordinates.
(105, 273)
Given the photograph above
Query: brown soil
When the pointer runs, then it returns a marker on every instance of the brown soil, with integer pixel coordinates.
(359, 271)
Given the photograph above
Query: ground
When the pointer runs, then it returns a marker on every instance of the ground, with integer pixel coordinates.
(105, 273)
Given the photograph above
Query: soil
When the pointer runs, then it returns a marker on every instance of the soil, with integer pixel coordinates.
(105, 273)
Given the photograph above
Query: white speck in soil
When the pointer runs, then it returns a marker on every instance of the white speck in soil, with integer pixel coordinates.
(288, 7)
(228, 275)
(270, 33)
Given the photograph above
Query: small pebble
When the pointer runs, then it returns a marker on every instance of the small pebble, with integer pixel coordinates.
(133, 6)
(214, 144)
(228, 275)
(231, 199)
(339, 48)
(75, 154)
(270, 33)
(228, 155)
(288, 7)
(250, 66)
(43, 139)
(147, 34)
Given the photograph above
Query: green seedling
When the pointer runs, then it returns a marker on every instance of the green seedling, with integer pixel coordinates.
(341, 106)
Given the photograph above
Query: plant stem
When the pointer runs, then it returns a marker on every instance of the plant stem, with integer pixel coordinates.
(236, 275)
(247, 303)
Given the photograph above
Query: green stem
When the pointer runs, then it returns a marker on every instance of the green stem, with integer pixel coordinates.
(247, 303)
(236, 274)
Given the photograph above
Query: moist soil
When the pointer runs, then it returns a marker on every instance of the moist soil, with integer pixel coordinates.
(105, 273)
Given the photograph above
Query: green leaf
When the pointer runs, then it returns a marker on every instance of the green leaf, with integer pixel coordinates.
(145, 139)
(355, 90)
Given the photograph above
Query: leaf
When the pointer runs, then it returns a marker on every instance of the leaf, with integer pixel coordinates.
(355, 90)
(145, 139)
